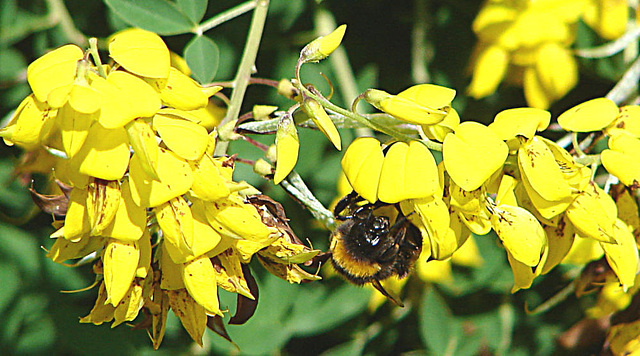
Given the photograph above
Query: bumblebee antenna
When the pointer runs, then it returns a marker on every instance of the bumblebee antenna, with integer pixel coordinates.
(376, 284)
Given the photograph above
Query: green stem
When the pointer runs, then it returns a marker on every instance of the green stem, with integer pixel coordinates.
(324, 22)
(421, 54)
(93, 50)
(354, 116)
(295, 186)
(243, 75)
(225, 16)
(59, 14)
(576, 145)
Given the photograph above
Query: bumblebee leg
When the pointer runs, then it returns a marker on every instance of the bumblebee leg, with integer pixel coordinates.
(346, 202)
(376, 284)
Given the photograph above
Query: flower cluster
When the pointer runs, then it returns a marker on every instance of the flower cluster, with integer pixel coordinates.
(528, 42)
(145, 197)
(538, 198)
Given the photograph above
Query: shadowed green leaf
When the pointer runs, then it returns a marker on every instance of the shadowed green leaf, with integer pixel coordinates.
(202, 56)
(194, 9)
(159, 16)
(438, 328)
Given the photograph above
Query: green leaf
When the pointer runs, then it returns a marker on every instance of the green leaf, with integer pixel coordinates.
(10, 282)
(440, 331)
(202, 56)
(159, 16)
(22, 248)
(8, 10)
(11, 64)
(287, 12)
(316, 310)
(194, 9)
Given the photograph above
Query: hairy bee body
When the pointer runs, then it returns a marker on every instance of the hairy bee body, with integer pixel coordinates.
(368, 248)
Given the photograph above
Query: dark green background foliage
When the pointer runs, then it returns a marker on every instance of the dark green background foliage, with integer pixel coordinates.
(474, 315)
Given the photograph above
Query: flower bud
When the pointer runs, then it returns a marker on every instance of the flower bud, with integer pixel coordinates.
(287, 145)
(322, 47)
(319, 116)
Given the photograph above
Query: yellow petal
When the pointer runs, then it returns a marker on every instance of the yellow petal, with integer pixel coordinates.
(200, 279)
(176, 221)
(489, 70)
(63, 249)
(492, 20)
(622, 157)
(236, 220)
(120, 264)
(319, 116)
(144, 264)
(408, 172)
(510, 123)
(560, 240)
(184, 138)
(521, 234)
(287, 146)
(230, 276)
(101, 312)
(410, 111)
(76, 221)
(440, 130)
(129, 307)
(130, 219)
(323, 46)
(140, 52)
(191, 314)
(31, 124)
(205, 238)
(592, 115)
(433, 216)
(557, 69)
(104, 155)
(103, 200)
(125, 97)
(84, 99)
(539, 167)
(472, 154)
(608, 18)
(171, 272)
(429, 95)
(55, 69)
(182, 92)
(593, 213)
(143, 142)
(583, 250)
(627, 121)
(506, 191)
(362, 164)
(208, 182)
(537, 96)
(74, 129)
(175, 176)
(623, 256)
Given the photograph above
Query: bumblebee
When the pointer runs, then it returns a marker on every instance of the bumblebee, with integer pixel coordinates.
(367, 248)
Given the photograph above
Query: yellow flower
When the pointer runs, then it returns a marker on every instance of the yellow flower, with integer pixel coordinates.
(170, 201)
(528, 41)
(608, 18)
(424, 104)
(472, 153)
